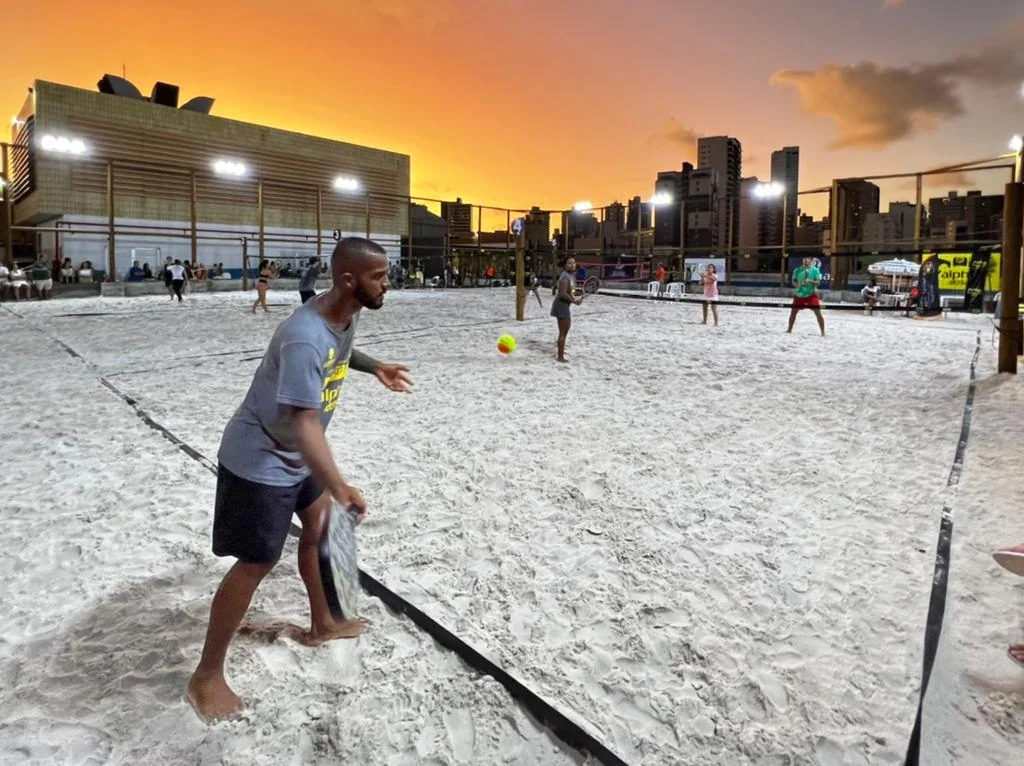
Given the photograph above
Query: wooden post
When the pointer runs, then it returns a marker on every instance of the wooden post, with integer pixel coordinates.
(1009, 324)
(319, 221)
(917, 222)
(8, 218)
(520, 274)
(259, 213)
(409, 265)
(111, 236)
(368, 215)
(785, 229)
(192, 213)
(245, 263)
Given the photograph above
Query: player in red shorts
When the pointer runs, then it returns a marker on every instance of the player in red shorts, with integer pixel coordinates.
(806, 279)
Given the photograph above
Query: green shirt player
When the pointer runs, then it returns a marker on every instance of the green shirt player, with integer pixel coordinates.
(806, 279)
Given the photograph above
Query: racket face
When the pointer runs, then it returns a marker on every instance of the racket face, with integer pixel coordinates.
(591, 285)
(339, 568)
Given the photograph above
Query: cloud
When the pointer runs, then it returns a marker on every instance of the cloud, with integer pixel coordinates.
(873, 106)
(674, 133)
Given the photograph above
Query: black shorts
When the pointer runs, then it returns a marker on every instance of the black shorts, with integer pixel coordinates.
(251, 521)
(307, 295)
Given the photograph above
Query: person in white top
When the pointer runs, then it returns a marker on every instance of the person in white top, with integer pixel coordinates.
(18, 282)
(5, 281)
(177, 272)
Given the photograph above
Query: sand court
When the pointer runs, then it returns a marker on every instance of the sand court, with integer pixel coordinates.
(704, 545)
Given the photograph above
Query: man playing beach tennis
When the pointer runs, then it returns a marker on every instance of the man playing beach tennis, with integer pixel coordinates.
(274, 461)
(806, 279)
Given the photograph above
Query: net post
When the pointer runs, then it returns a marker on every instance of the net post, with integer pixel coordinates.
(1009, 322)
(245, 263)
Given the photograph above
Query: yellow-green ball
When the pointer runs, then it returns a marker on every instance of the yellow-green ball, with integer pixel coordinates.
(506, 344)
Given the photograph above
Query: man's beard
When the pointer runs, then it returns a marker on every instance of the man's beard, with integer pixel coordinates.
(366, 300)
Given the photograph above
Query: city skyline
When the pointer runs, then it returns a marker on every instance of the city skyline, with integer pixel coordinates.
(549, 110)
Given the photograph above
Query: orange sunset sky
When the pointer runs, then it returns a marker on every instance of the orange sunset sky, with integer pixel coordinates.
(548, 103)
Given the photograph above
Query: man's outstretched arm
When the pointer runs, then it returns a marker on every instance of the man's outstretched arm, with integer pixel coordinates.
(361, 362)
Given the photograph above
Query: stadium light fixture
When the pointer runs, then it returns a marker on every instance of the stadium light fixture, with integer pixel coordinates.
(769, 190)
(62, 145)
(1016, 144)
(583, 206)
(662, 198)
(229, 168)
(346, 184)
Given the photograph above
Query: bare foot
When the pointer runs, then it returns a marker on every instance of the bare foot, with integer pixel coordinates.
(1016, 652)
(345, 629)
(213, 700)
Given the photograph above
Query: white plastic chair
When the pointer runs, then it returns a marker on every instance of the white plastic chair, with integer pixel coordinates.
(653, 289)
(675, 290)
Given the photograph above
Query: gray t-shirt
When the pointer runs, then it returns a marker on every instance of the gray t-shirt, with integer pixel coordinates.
(566, 277)
(308, 281)
(305, 366)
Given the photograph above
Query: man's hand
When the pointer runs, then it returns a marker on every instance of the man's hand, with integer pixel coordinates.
(394, 377)
(347, 497)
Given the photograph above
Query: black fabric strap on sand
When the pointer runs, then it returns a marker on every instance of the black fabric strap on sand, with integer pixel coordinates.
(940, 580)
(558, 723)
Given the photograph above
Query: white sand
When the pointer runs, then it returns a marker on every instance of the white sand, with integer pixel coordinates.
(708, 545)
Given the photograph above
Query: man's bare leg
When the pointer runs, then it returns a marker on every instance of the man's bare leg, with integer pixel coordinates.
(208, 690)
(820, 318)
(323, 627)
(792, 318)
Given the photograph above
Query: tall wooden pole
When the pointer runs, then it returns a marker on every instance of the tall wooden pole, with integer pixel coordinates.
(917, 221)
(408, 267)
(368, 215)
(319, 221)
(8, 218)
(1009, 324)
(111, 234)
(195, 223)
(520, 273)
(259, 213)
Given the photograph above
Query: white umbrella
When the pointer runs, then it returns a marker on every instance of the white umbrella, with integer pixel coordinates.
(897, 267)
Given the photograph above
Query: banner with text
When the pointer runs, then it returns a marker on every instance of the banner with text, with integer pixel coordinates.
(954, 269)
(695, 266)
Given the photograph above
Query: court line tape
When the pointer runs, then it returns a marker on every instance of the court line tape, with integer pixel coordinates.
(567, 730)
(940, 578)
(560, 725)
(756, 304)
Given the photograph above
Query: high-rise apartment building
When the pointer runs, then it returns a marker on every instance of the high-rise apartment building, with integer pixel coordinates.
(786, 171)
(724, 155)
(459, 216)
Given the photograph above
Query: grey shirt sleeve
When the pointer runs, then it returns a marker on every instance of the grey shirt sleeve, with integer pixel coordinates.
(300, 378)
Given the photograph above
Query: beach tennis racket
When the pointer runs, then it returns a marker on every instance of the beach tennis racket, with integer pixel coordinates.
(339, 570)
(591, 285)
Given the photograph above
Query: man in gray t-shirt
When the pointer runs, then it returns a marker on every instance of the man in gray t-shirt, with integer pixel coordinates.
(274, 462)
(307, 284)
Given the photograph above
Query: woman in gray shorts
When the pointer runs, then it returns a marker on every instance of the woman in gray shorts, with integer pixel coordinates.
(565, 297)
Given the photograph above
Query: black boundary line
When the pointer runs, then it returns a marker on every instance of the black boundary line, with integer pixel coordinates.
(755, 304)
(557, 722)
(940, 579)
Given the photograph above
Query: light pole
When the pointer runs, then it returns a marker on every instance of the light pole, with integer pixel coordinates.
(1017, 147)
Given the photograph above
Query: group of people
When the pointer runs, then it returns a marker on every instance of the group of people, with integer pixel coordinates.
(19, 281)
